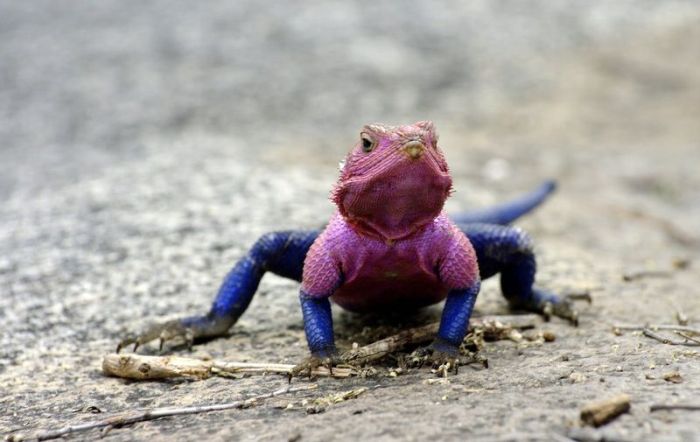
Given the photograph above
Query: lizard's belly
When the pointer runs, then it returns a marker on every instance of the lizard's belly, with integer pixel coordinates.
(390, 289)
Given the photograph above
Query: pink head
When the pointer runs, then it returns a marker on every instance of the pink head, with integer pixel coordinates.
(394, 181)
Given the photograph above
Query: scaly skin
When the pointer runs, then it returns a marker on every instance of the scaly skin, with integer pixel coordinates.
(389, 246)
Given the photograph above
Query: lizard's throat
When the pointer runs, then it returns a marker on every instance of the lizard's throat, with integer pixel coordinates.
(396, 203)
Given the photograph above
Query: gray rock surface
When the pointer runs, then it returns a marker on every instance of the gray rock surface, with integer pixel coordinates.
(144, 146)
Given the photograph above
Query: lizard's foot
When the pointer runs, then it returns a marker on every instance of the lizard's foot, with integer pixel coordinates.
(185, 330)
(310, 364)
(549, 305)
(166, 331)
(441, 355)
(563, 308)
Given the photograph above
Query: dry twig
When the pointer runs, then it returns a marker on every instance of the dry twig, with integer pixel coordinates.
(130, 417)
(688, 337)
(142, 367)
(663, 339)
(633, 276)
(689, 407)
(663, 327)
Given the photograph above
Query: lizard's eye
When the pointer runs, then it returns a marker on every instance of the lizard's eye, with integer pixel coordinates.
(368, 144)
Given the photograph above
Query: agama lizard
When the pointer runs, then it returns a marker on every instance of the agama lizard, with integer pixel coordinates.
(389, 246)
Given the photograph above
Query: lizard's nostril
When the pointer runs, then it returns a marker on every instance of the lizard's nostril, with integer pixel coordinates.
(414, 149)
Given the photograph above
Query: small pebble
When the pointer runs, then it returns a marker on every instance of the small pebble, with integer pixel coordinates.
(548, 336)
(674, 377)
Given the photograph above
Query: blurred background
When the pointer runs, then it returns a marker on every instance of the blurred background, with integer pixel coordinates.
(87, 86)
(145, 145)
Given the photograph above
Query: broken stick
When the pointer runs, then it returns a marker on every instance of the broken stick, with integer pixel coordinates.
(142, 367)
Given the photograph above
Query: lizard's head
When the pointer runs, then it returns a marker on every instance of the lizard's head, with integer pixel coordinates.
(394, 181)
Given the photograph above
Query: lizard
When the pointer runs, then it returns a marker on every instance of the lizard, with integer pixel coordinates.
(389, 246)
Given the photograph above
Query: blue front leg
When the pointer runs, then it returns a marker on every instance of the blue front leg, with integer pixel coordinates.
(282, 253)
(455, 319)
(318, 325)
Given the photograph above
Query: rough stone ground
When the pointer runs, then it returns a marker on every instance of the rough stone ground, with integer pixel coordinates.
(143, 147)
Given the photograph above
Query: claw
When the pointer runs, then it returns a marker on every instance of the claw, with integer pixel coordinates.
(574, 319)
(126, 342)
(189, 338)
(565, 310)
(547, 310)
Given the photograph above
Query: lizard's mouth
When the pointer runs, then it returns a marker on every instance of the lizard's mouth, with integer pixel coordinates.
(399, 196)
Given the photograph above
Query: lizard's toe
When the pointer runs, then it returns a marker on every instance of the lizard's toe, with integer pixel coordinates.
(164, 332)
(565, 309)
(548, 305)
(307, 367)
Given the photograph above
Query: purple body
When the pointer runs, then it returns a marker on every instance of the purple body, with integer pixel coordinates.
(412, 272)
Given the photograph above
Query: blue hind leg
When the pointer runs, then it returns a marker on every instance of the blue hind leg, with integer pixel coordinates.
(281, 253)
(505, 214)
(508, 251)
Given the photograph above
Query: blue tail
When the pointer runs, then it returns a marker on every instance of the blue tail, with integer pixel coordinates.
(505, 214)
